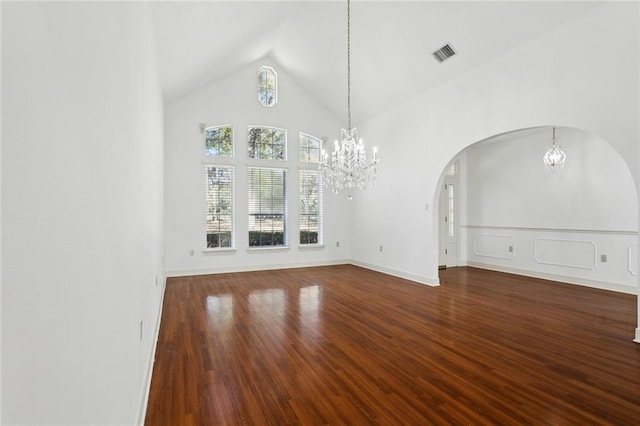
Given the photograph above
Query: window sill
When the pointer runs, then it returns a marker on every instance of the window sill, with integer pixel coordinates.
(219, 250)
(311, 246)
(268, 248)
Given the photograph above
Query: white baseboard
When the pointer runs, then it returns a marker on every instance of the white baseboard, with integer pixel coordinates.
(144, 398)
(433, 282)
(253, 268)
(400, 274)
(561, 278)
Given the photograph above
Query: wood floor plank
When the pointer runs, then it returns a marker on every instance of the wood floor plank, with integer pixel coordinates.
(345, 345)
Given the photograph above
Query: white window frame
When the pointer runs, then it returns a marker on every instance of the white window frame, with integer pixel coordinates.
(264, 87)
(308, 136)
(232, 208)
(250, 212)
(204, 131)
(285, 148)
(320, 207)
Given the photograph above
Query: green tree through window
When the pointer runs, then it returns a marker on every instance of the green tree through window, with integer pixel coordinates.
(219, 209)
(310, 207)
(267, 143)
(267, 86)
(267, 207)
(309, 149)
(219, 141)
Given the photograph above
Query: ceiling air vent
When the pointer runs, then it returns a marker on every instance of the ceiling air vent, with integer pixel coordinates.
(444, 53)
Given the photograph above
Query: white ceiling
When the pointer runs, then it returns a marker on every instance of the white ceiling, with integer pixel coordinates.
(391, 43)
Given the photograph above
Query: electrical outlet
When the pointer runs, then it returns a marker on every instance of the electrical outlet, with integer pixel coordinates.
(337, 243)
(603, 258)
(510, 249)
(380, 248)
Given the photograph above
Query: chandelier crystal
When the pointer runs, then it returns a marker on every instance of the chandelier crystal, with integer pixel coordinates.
(348, 166)
(554, 157)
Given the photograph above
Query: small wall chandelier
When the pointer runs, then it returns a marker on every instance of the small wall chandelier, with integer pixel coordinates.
(555, 156)
(348, 166)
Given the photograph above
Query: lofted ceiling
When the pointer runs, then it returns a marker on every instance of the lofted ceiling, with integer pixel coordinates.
(391, 43)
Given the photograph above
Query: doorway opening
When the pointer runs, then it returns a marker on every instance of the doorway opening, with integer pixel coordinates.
(448, 223)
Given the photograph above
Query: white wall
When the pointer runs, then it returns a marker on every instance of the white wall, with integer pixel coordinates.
(82, 211)
(233, 101)
(558, 225)
(0, 222)
(637, 337)
(556, 78)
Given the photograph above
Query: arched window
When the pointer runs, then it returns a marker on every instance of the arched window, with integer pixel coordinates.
(267, 143)
(219, 141)
(309, 148)
(267, 86)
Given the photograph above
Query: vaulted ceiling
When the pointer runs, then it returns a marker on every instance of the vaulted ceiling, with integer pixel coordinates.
(391, 43)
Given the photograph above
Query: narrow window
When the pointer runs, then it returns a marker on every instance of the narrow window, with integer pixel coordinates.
(309, 149)
(310, 207)
(219, 141)
(219, 206)
(267, 143)
(267, 86)
(451, 221)
(267, 207)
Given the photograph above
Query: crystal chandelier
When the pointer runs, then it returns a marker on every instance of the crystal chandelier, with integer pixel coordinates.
(348, 166)
(555, 156)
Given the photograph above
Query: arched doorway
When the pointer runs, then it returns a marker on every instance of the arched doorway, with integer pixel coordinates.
(578, 225)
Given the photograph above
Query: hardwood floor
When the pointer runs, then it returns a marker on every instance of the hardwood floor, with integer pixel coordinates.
(345, 345)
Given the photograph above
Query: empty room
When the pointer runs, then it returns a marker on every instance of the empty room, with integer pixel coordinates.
(319, 212)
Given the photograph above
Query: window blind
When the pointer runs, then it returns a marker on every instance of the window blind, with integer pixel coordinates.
(219, 208)
(267, 207)
(310, 207)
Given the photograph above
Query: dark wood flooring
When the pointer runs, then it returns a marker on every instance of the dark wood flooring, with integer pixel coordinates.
(345, 345)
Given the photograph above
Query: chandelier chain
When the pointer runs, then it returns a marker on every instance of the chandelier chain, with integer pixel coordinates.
(347, 166)
(349, 62)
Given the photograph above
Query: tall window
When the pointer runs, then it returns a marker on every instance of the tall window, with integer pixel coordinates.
(310, 207)
(267, 207)
(219, 184)
(219, 209)
(267, 143)
(310, 219)
(219, 141)
(451, 217)
(267, 86)
(309, 149)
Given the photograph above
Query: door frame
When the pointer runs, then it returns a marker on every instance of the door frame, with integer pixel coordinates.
(449, 179)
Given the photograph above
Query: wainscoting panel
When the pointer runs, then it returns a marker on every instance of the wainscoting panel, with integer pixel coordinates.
(568, 253)
(593, 257)
(496, 246)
